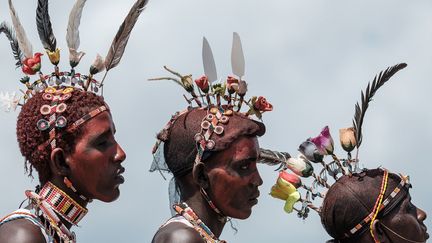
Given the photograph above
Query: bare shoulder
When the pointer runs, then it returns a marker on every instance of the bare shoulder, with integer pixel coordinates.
(21, 231)
(177, 233)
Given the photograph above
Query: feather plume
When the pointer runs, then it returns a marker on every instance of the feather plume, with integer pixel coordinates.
(119, 43)
(271, 157)
(23, 41)
(10, 34)
(44, 27)
(367, 96)
(72, 34)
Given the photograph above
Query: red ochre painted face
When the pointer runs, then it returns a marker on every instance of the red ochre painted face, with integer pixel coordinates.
(234, 178)
(407, 220)
(95, 162)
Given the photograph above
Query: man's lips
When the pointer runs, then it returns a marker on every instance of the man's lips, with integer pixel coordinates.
(118, 176)
(254, 199)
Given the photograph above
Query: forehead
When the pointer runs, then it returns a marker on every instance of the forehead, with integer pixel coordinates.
(98, 125)
(245, 147)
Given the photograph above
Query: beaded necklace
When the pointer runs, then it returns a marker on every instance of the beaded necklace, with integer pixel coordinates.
(51, 202)
(184, 210)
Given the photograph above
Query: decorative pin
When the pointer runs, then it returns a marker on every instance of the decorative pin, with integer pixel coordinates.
(61, 122)
(42, 125)
(45, 110)
(224, 119)
(205, 125)
(61, 108)
(218, 130)
(198, 137)
(210, 144)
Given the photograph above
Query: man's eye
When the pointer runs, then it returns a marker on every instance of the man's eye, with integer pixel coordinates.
(411, 207)
(245, 166)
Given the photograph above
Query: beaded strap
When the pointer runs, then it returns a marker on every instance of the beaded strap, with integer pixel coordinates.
(87, 117)
(184, 210)
(379, 206)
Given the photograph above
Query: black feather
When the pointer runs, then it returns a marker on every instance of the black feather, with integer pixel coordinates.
(10, 34)
(366, 97)
(44, 27)
(271, 157)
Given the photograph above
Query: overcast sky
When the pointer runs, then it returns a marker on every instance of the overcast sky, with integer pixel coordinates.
(309, 58)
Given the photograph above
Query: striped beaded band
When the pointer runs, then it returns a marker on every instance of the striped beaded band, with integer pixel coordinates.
(62, 204)
(87, 117)
(184, 210)
(403, 183)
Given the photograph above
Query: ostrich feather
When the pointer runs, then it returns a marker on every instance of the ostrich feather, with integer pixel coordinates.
(10, 34)
(44, 27)
(23, 41)
(366, 97)
(72, 34)
(119, 43)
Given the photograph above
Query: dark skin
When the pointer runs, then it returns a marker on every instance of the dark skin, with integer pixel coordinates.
(406, 220)
(231, 180)
(93, 167)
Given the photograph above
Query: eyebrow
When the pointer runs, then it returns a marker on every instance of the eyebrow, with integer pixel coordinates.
(250, 158)
(105, 133)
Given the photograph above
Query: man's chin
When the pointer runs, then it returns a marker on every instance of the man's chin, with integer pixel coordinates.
(111, 197)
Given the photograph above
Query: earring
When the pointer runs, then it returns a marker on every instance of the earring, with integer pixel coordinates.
(221, 216)
(69, 184)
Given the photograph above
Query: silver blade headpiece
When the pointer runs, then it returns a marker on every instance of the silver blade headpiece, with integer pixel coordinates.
(208, 61)
(237, 57)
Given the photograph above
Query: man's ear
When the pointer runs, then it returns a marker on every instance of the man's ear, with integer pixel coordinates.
(58, 163)
(378, 232)
(200, 176)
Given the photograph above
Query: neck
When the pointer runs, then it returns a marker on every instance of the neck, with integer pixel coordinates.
(60, 184)
(206, 213)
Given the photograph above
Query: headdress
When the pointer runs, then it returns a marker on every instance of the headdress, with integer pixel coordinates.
(218, 105)
(314, 150)
(57, 86)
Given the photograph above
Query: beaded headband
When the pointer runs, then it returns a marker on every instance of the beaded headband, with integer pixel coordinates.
(381, 203)
(57, 86)
(211, 96)
(314, 150)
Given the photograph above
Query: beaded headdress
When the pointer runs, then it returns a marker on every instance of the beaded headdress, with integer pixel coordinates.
(57, 86)
(219, 101)
(313, 152)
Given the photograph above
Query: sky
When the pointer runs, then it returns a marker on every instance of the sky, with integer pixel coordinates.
(310, 59)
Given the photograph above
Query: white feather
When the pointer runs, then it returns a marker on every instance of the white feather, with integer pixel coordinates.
(237, 56)
(23, 41)
(72, 34)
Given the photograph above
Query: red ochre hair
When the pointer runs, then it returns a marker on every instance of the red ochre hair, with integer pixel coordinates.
(30, 137)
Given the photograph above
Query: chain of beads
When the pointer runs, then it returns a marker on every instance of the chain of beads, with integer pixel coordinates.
(184, 210)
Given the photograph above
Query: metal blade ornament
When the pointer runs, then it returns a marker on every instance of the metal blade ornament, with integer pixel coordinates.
(237, 56)
(208, 62)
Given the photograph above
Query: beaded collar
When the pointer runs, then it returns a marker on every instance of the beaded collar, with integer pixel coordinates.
(51, 202)
(184, 210)
(62, 203)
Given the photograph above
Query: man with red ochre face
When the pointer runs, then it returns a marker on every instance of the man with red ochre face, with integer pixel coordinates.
(352, 198)
(223, 184)
(84, 165)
